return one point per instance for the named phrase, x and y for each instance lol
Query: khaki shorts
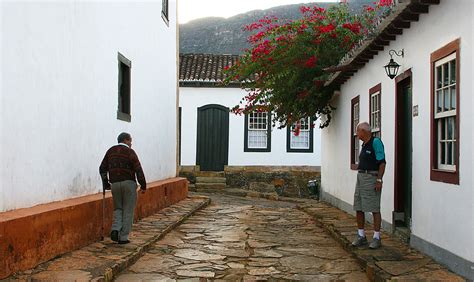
(366, 199)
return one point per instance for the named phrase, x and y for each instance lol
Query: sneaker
(123, 242)
(375, 244)
(359, 241)
(114, 235)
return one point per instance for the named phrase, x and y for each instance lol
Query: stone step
(203, 179)
(210, 186)
(210, 174)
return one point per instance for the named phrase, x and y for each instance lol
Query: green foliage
(285, 70)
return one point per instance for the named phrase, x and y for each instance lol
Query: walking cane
(103, 213)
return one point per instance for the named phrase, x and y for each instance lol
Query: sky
(194, 9)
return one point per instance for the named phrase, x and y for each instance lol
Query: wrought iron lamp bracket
(400, 53)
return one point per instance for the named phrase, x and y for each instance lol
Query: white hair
(364, 126)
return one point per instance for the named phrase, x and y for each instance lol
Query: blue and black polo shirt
(372, 155)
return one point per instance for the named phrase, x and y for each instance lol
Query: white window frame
(355, 121)
(262, 127)
(444, 116)
(375, 113)
(306, 131)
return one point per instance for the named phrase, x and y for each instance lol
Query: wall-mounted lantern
(392, 67)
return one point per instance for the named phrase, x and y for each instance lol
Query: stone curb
(374, 273)
(111, 272)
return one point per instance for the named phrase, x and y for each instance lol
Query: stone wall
(288, 181)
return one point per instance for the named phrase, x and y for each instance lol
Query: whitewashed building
(213, 138)
(425, 119)
(73, 75)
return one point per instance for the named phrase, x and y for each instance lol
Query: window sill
(443, 170)
(255, 150)
(299, 151)
(124, 117)
(450, 177)
(165, 19)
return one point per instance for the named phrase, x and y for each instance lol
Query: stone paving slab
(102, 261)
(394, 261)
(246, 239)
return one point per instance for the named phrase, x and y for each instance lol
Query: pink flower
(355, 27)
(303, 95)
(280, 38)
(326, 29)
(297, 129)
(385, 3)
(304, 9)
(311, 62)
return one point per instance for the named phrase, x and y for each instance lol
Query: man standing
(369, 184)
(123, 168)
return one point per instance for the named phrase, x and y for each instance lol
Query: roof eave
(400, 19)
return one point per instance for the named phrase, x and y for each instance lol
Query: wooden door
(212, 150)
(404, 151)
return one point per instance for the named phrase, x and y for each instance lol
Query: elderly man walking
(119, 170)
(369, 183)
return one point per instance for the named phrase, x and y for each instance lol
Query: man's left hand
(107, 186)
(378, 186)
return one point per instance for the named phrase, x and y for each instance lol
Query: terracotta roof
(207, 69)
(404, 12)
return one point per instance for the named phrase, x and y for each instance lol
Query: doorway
(403, 153)
(212, 150)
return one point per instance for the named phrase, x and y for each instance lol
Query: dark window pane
(447, 100)
(445, 74)
(443, 129)
(439, 81)
(124, 88)
(439, 101)
(453, 71)
(450, 153)
(443, 153)
(450, 129)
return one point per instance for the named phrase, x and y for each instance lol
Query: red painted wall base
(34, 235)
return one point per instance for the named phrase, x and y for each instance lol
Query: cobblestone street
(240, 238)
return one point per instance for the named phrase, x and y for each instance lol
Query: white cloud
(194, 9)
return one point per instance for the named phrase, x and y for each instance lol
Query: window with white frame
(375, 114)
(445, 103)
(303, 141)
(257, 132)
(355, 114)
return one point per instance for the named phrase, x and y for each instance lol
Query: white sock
(377, 235)
(361, 232)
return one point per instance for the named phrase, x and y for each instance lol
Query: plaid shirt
(121, 163)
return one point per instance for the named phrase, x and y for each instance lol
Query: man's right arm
(103, 170)
(137, 167)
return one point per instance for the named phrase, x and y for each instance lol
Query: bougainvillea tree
(285, 69)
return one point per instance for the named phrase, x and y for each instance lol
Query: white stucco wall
(192, 98)
(60, 93)
(443, 214)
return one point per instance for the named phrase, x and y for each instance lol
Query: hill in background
(225, 36)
